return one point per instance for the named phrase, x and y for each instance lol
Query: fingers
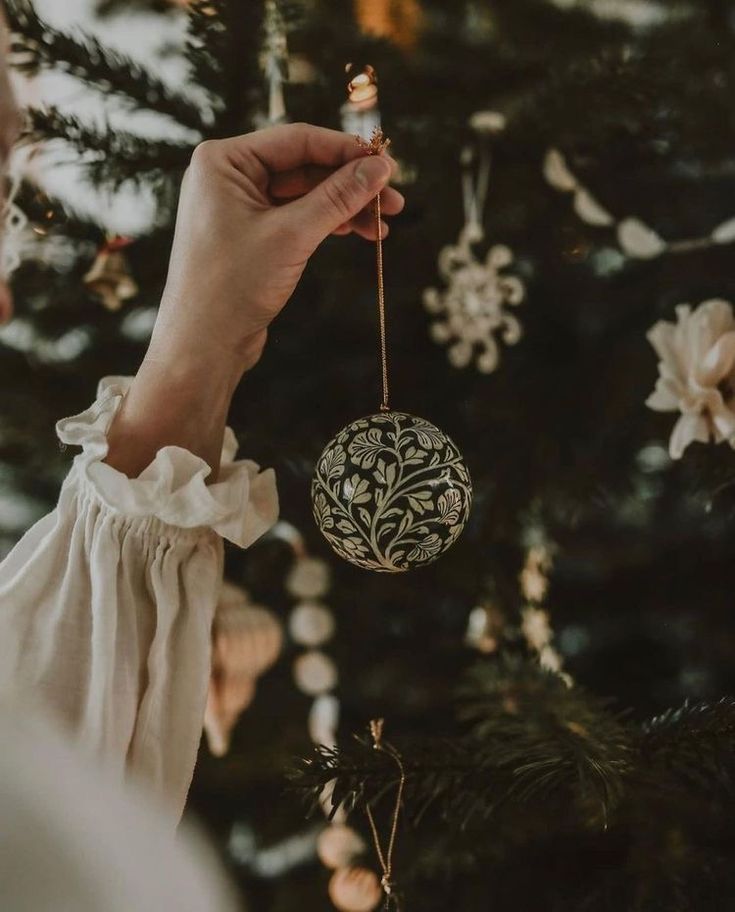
(292, 184)
(297, 181)
(363, 224)
(339, 199)
(323, 174)
(290, 146)
(366, 230)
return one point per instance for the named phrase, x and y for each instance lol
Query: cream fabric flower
(696, 374)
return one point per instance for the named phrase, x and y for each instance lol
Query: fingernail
(372, 172)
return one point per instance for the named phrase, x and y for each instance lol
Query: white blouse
(106, 604)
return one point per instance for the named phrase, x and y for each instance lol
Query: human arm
(106, 605)
(253, 210)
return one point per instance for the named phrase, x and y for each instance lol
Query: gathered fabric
(106, 604)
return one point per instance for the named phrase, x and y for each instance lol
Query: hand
(253, 209)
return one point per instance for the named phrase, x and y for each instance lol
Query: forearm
(173, 401)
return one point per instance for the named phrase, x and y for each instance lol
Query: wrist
(193, 373)
(173, 401)
(202, 341)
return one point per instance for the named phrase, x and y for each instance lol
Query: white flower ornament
(696, 374)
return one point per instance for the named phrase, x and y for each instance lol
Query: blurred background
(569, 170)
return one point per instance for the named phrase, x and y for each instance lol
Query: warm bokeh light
(397, 20)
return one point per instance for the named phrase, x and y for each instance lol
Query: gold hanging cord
(386, 858)
(361, 87)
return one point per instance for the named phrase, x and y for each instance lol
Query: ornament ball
(315, 673)
(309, 578)
(391, 492)
(338, 845)
(355, 890)
(311, 624)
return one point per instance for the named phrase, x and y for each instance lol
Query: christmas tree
(554, 687)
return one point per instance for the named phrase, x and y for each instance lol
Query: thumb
(340, 197)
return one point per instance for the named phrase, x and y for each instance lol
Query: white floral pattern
(391, 492)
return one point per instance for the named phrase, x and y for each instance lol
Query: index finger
(290, 146)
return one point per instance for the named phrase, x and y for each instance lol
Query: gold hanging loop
(377, 144)
(386, 858)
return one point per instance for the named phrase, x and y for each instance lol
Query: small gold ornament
(246, 641)
(355, 890)
(360, 114)
(229, 696)
(109, 277)
(390, 491)
(246, 638)
(362, 89)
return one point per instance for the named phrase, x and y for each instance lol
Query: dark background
(560, 445)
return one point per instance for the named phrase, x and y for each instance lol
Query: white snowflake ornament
(473, 307)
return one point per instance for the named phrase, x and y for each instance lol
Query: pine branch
(554, 737)
(223, 50)
(206, 44)
(692, 749)
(38, 45)
(531, 739)
(691, 720)
(436, 769)
(112, 157)
(644, 100)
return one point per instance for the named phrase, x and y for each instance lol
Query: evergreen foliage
(522, 792)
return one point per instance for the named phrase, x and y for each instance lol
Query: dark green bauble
(391, 492)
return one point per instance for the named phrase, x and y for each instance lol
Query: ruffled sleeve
(240, 506)
(106, 604)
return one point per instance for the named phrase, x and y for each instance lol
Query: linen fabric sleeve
(106, 604)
